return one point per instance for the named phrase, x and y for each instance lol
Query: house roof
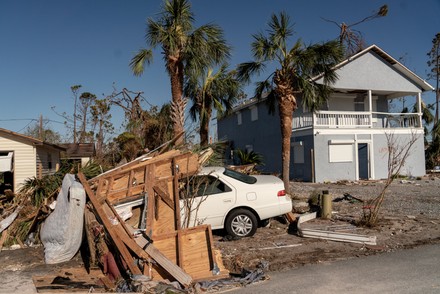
(392, 61)
(79, 150)
(422, 84)
(31, 140)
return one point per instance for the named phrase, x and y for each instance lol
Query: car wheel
(241, 223)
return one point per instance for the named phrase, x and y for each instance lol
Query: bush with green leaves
(249, 157)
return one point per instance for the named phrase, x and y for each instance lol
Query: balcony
(346, 119)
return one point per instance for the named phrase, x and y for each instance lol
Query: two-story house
(347, 138)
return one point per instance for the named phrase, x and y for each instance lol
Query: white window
(298, 152)
(239, 118)
(340, 150)
(254, 113)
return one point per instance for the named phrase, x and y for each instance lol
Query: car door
(207, 202)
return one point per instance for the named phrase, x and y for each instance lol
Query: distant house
(23, 157)
(346, 139)
(80, 153)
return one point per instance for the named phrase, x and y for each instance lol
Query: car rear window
(239, 176)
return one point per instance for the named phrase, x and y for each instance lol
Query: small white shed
(25, 157)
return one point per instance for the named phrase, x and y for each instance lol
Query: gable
(369, 71)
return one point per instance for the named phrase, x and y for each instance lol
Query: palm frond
(247, 69)
(144, 56)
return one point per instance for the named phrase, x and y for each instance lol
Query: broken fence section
(331, 235)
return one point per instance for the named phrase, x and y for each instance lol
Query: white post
(370, 107)
(419, 108)
(356, 158)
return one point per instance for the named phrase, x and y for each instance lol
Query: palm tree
(210, 90)
(184, 49)
(296, 66)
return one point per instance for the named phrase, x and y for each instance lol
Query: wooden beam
(150, 203)
(130, 183)
(176, 195)
(120, 220)
(150, 251)
(139, 162)
(164, 196)
(109, 226)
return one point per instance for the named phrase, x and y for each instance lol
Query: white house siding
(358, 75)
(325, 170)
(24, 159)
(414, 165)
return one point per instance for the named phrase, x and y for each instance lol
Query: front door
(363, 161)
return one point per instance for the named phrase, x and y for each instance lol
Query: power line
(32, 119)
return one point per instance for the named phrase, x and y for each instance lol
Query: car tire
(241, 223)
(265, 223)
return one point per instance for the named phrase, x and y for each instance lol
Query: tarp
(62, 231)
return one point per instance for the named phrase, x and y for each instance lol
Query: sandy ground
(410, 217)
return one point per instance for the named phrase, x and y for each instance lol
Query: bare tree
(352, 39)
(75, 92)
(86, 100)
(131, 103)
(398, 153)
(101, 116)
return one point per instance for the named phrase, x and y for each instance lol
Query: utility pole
(41, 128)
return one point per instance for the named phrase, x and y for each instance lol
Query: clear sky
(47, 46)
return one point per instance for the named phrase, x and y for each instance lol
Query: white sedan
(236, 202)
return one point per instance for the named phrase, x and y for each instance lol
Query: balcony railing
(347, 119)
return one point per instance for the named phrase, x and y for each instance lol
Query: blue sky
(49, 45)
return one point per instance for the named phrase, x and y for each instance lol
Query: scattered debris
(6, 222)
(331, 235)
(276, 247)
(349, 198)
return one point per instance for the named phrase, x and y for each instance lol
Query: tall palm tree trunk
(286, 109)
(178, 103)
(204, 128)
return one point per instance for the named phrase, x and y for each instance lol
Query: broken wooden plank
(200, 260)
(71, 280)
(150, 170)
(109, 226)
(164, 196)
(291, 217)
(342, 237)
(138, 162)
(176, 194)
(151, 251)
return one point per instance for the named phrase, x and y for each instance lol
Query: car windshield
(239, 176)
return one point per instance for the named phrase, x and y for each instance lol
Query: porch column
(419, 108)
(370, 107)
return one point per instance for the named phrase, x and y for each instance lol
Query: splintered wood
(151, 241)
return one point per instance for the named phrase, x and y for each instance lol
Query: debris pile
(132, 223)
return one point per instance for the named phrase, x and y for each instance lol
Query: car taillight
(281, 193)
